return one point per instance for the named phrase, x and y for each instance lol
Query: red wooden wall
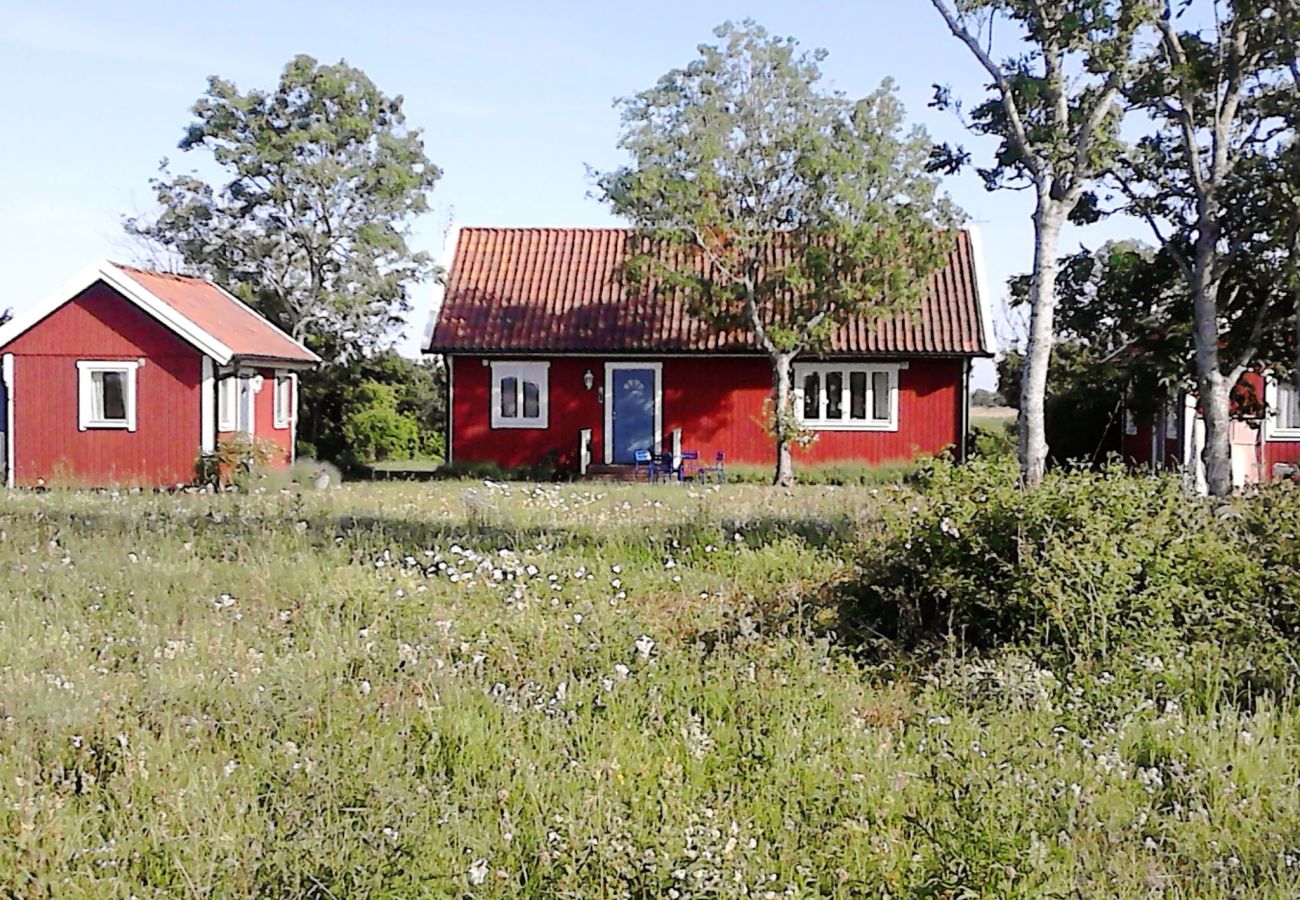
(48, 446)
(264, 420)
(717, 402)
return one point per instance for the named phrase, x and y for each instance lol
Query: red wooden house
(1264, 433)
(552, 356)
(126, 377)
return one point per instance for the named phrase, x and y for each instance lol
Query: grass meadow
(468, 689)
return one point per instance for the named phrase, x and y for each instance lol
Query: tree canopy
(808, 207)
(308, 217)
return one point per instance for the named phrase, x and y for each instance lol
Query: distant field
(991, 414)
(466, 689)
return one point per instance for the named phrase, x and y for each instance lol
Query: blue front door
(632, 415)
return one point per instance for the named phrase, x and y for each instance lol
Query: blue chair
(643, 459)
(690, 465)
(716, 472)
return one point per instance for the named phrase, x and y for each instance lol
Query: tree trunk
(1049, 216)
(1213, 385)
(783, 419)
(1217, 455)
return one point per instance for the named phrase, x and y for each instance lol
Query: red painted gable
(48, 445)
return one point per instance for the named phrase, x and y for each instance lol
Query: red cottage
(552, 357)
(125, 377)
(1264, 433)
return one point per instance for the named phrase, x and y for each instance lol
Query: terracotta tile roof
(559, 290)
(220, 315)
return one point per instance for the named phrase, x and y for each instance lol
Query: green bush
(376, 429)
(1089, 566)
(836, 474)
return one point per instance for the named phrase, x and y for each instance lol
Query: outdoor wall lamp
(588, 379)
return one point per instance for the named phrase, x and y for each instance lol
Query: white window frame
(537, 372)
(282, 398)
(802, 370)
(1273, 431)
(228, 397)
(86, 369)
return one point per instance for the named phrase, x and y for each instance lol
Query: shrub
(235, 459)
(376, 430)
(1088, 566)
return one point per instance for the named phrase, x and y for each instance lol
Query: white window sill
(1283, 434)
(118, 425)
(530, 424)
(849, 426)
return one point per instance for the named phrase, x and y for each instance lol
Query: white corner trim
(7, 373)
(520, 369)
(983, 294)
(447, 261)
(207, 408)
(1273, 431)
(85, 369)
(610, 368)
(293, 417)
(451, 408)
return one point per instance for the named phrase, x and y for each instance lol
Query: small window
(847, 396)
(283, 399)
(106, 394)
(1130, 422)
(228, 402)
(520, 395)
(1171, 422)
(1284, 411)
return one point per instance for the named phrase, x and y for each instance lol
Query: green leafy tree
(774, 207)
(376, 429)
(1218, 99)
(309, 218)
(1054, 105)
(420, 392)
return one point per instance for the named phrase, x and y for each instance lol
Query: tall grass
(515, 690)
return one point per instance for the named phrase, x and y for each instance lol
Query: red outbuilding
(1264, 433)
(553, 357)
(125, 377)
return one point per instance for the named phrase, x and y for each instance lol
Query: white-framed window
(847, 396)
(520, 394)
(1283, 422)
(106, 393)
(1171, 421)
(1130, 422)
(283, 404)
(228, 402)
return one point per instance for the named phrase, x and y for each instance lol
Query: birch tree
(1220, 96)
(1055, 107)
(773, 207)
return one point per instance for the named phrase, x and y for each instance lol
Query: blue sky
(514, 100)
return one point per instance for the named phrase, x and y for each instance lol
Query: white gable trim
(983, 296)
(261, 318)
(132, 290)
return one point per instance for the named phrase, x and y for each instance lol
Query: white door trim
(610, 368)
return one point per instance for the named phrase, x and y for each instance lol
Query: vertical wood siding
(719, 403)
(49, 447)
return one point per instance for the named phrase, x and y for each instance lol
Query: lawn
(455, 689)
